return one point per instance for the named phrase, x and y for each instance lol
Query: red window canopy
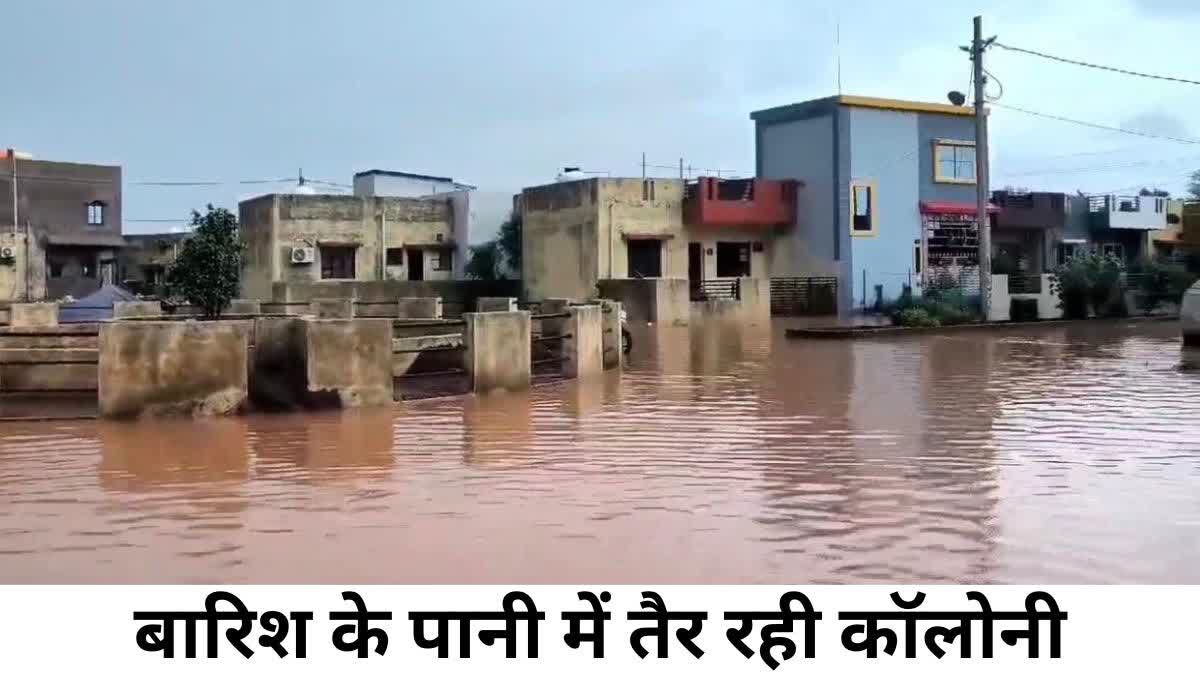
(954, 208)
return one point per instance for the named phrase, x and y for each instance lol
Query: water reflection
(719, 455)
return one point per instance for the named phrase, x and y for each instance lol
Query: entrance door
(733, 258)
(107, 272)
(645, 258)
(416, 264)
(695, 262)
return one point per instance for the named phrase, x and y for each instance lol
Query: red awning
(954, 208)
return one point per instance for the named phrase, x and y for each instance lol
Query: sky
(504, 93)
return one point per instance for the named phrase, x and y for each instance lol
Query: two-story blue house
(888, 198)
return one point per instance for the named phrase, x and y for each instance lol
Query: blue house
(888, 199)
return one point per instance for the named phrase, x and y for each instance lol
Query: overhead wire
(1086, 64)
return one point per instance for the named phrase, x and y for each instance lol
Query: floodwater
(1067, 454)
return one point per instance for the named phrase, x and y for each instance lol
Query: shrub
(915, 317)
(1159, 282)
(1090, 279)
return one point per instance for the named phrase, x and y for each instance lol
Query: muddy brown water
(1067, 454)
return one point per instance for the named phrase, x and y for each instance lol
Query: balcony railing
(749, 201)
(1024, 283)
(716, 289)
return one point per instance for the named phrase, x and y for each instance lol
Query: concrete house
(381, 183)
(576, 234)
(888, 198)
(67, 228)
(1028, 229)
(310, 237)
(1122, 225)
(142, 264)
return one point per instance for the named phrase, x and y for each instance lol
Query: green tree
(1193, 187)
(206, 271)
(509, 240)
(485, 262)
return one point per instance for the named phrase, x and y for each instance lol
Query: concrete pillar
(584, 349)
(419, 308)
(1189, 316)
(240, 306)
(1000, 302)
(349, 361)
(332, 308)
(495, 304)
(33, 315)
(134, 309)
(610, 323)
(497, 350)
(173, 367)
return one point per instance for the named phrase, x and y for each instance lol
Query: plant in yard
(1089, 279)
(485, 262)
(206, 272)
(1159, 282)
(915, 317)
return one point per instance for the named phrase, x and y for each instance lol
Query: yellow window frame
(872, 207)
(940, 144)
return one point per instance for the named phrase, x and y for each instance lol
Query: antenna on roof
(837, 45)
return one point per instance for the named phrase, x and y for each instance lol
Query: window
(445, 260)
(862, 209)
(916, 256)
(95, 213)
(1115, 250)
(337, 262)
(954, 162)
(733, 259)
(644, 258)
(87, 268)
(56, 268)
(648, 190)
(395, 257)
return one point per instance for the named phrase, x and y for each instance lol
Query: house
(1122, 225)
(1028, 229)
(1180, 238)
(381, 183)
(69, 216)
(889, 198)
(320, 237)
(142, 264)
(576, 234)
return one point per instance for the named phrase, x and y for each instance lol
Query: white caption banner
(1108, 628)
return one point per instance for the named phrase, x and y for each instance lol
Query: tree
(206, 271)
(485, 262)
(1193, 187)
(1147, 192)
(509, 240)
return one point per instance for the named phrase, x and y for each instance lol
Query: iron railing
(1024, 283)
(716, 289)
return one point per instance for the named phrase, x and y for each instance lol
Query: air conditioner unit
(7, 253)
(302, 255)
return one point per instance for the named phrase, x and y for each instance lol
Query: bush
(1090, 279)
(1159, 282)
(915, 317)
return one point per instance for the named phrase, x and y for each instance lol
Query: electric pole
(978, 45)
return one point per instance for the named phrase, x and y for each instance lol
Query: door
(416, 264)
(107, 272)
(733, 259)
(695, 265)
(645, 258)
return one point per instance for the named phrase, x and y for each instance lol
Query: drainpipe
(612, 230)
(382, 244)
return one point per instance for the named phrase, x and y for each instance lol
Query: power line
(1085, 64)
(1104, 167)
(1189, 141)
(209, 183)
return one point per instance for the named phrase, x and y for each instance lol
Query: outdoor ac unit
(7, 253)
(302, 255)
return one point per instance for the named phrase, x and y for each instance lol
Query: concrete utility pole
(978, 45)
(12, 155)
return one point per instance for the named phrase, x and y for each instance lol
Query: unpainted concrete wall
(33, 315)
(136, 309)
(457, 296)
(584, 349)
(650, 300)
(25, 271)
(350, 358)
(496, 305)
(47, 359)
(498, 353)
(611, 326)
(1001, 301)
(173, 367)
(332, 309)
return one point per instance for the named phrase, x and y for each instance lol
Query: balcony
(749, 201)
(1030, 210)
(1127, 212)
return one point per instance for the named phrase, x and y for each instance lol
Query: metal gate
(803, 296)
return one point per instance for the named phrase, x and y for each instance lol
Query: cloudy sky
(503, 93)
